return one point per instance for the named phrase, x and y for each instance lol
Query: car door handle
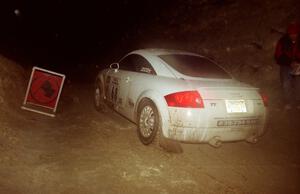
(127, 79)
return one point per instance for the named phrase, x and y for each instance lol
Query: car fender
(161, 105)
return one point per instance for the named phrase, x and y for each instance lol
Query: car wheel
(148, 122)
(149, 128)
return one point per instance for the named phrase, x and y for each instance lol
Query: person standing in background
(287, 56)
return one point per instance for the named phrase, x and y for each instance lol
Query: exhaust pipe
(253, 139)
(215, 142)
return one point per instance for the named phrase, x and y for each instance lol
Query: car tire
(148, 122)
(155, 137)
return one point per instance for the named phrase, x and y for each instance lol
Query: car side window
(143, 66)
(127, 63)
(136, 63)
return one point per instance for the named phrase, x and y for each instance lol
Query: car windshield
(195, 66)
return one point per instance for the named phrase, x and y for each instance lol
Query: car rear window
(195, 66)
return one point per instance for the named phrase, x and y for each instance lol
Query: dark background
(75, 37)
(70, 36)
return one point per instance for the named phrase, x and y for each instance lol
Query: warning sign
(43, 91)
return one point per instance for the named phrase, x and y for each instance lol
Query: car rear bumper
(223, 134)
(201, 127)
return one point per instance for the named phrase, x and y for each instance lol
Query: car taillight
(187, 99)
(264, 98)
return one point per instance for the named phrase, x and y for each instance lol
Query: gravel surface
(85, 151)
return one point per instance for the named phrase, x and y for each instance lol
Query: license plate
(231, 123)
(235, 106)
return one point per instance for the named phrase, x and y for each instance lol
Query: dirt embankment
(12, 85)
(12, 90)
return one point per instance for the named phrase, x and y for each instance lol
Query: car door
(119, 91)
(134, 69)
(116, 83)
(111, 85)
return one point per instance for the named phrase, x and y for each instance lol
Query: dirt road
(84, 151)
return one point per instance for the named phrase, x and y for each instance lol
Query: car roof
(156, 52)
(153, 56)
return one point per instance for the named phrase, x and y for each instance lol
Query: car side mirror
(114, 66)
